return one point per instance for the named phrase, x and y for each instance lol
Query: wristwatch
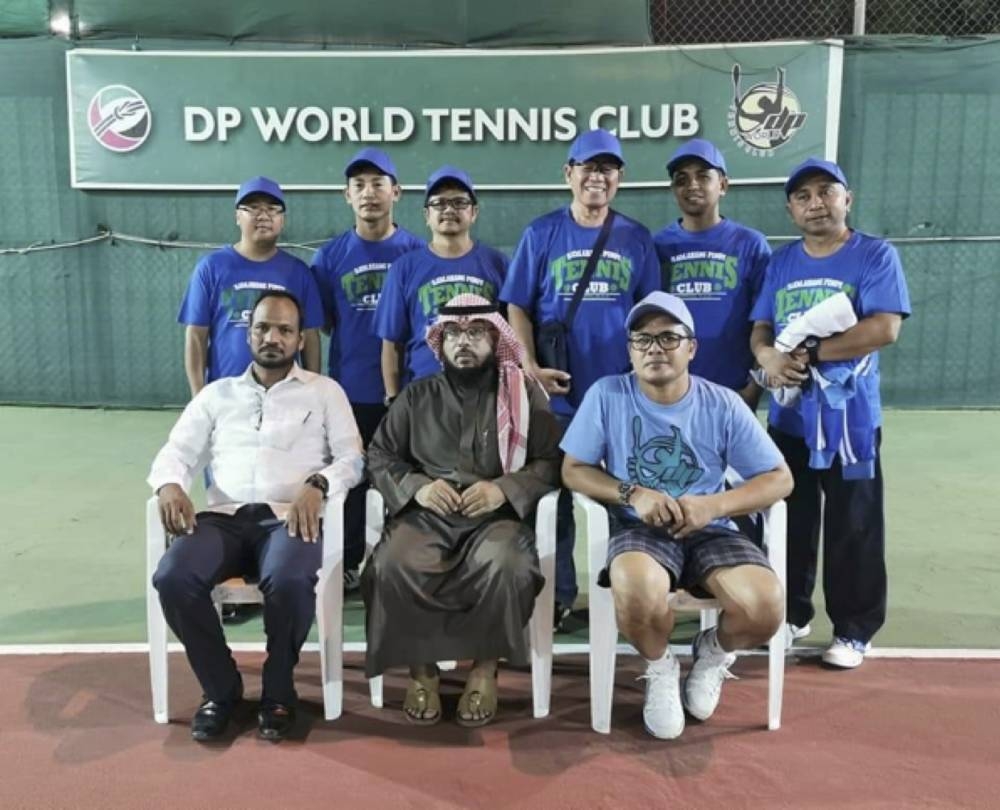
(320, 482)
(811, 345)
(387, 400)
(625, 490)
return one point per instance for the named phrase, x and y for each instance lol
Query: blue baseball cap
(700, 149)
(260, 185)
(664, 303)
(369, 156)
(589, 145)
(814, 166)
(453, 174)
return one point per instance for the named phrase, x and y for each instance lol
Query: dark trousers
(565, 587)
(853, 522)
(368, 417)
(250, 543)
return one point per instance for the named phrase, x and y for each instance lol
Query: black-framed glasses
(668, 341)
(453, 332)
(605, 169)
(454, 203)
(270, 211)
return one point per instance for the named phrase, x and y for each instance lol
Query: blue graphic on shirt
(665, 463)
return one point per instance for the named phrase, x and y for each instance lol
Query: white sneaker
(846, 653)
(793, 633)
(703, 684)
(662, 713)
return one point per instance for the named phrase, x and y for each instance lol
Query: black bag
(552, 337)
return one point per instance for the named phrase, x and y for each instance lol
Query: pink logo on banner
(119, 118)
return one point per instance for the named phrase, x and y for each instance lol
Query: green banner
(200, 120)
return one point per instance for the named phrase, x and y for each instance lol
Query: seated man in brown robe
(461, 459)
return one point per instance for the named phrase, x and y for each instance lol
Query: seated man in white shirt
(279, 440)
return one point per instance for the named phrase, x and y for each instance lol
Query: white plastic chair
(540, 626)
(329, 609)
(604, 628)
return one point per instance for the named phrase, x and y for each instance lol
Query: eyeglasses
(605, 169)
(455, 203)
(270, 211)
(453, 333)
(668, 341)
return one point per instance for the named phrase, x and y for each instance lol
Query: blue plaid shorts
(688, 561)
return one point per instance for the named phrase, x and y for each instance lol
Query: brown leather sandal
(479, 698)
(421, 698)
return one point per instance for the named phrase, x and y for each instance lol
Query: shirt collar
(296, 372)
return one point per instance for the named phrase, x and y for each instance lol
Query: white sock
(661, 662)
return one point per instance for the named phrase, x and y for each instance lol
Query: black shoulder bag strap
(588, 271)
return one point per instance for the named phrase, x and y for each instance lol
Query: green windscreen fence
(95, 324)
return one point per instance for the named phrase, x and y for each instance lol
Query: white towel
(829, 317)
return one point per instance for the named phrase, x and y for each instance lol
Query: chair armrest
(156, 537)
(333, 536)
(775, 537)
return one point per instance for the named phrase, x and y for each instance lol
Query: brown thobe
(446, 588)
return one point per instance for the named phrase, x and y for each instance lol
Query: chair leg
(709, 619)
(156, 623)
(375, 689)
(775, 678)
(158, 673)
(540, 628)
(330, 628)
(603, 642)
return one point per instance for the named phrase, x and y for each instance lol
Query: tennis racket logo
(766, 116)
(119, 118)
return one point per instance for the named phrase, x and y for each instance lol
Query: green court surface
(72, 496)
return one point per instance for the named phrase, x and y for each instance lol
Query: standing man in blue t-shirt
(547, 265)
(226, 283)
(654, 445)
(832, 258)
(422, 281)
(350, 270)
(715, 265)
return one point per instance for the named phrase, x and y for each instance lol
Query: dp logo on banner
(764, 117)
(119, 118)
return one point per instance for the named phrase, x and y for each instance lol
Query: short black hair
(277, 294)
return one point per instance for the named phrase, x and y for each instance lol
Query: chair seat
(237, 591)
(685, 601)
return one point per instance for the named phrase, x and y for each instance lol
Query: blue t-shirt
(867, 269)
(419, 284)
(719, 273)
(221, 294)
(350, 272)
(679, 449)
(548, 263)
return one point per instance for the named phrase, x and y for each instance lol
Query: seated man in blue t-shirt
(654, 445)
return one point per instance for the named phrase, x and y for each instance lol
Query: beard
(278, 362)
(470, 375)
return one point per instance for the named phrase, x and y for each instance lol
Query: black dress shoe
(275, 720)
(211, 719)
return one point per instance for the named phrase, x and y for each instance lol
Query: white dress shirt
(262, 443)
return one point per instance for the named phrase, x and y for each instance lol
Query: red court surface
(77, 732)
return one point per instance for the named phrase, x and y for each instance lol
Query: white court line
(558, 649)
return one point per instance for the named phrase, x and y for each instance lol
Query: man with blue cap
(654, 445)
(422, 281)
(831, 443)
(574, 276)
(226, 283)
(715, 264)
(350, 270)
